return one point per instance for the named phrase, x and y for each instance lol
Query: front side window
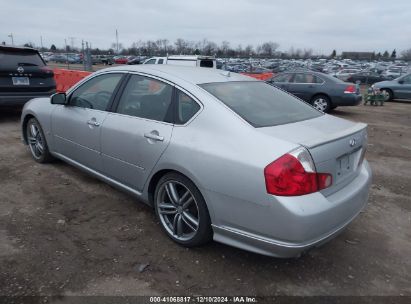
(261, 104)
(96, 93)
(151, 61)
(186, 107)
(407, 79)
(146, 98)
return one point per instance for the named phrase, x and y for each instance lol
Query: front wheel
(321, 103)
(388, 94)
(37, 142)
(182, 211)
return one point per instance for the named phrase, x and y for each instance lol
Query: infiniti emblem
(20, 69)
(353, 142)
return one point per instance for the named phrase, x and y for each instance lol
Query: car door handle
(154, 136)
(93, 123)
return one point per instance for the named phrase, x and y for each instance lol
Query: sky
(320, 25)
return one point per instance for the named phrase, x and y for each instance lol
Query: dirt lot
(65, 233)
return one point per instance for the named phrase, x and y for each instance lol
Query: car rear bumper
(304, 222)
(347, 100)
(20, 98)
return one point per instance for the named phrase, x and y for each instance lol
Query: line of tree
(269, 49)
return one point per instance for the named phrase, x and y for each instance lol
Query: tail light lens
(294, 174)
(350, 89)
(47, 70)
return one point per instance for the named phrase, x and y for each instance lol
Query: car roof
(193, 75)
(16, 48)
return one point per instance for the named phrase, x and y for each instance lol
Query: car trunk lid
(337, 146)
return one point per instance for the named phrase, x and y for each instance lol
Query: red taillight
(350, 89)
(294, 174)
(47, 70)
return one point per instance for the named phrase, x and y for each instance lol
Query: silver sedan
(218, 155)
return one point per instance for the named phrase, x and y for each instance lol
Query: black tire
(389, 93)
(204, 232)
(44, 155)
(321, 103)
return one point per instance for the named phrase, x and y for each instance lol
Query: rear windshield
(20, 58)
(261, 104)
(205, 63)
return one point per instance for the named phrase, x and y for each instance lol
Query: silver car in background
(218, 155)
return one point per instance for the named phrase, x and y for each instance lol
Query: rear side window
(160, 61)
(186, 107)
(17, 58)
(146, 98)
(261, 104)
(206, 63)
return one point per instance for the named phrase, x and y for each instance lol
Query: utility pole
(65, 45)
(117, 41)
(84, 55)
(12, 38)
(72, 42)
(41, 41)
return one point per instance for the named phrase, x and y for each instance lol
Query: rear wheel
(182, 211)
(321, 103)
(37, 142)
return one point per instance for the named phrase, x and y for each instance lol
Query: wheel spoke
(184, 197)
(40, 147)
(189, 224)
(32, 140)
(177, 225)
(188, 202)
(190, 218)
(172, 193)
(33, 130)
(180, 225)
(169, 209)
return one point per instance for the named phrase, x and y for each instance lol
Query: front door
(76, 126)
(136, 134)
(403, 90)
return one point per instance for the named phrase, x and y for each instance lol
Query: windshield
(261, 104)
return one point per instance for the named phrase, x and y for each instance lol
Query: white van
(186, 60)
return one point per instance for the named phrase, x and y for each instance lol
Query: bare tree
(406, 55)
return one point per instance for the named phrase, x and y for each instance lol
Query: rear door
(304, 86)
(138, 131)
(23, 70)
(76, 127)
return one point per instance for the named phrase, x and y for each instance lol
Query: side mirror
(59, 98)
(401, 81)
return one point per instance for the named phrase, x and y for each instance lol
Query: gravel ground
(63, 232)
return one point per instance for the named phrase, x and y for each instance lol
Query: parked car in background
(185, 60)
(366, 77)
(393, 73)
(102, 59)
(322, 91)
(120, 60)
(134, 60)
(399, 88)
(218, 156)
(345, 73)
(23, 75)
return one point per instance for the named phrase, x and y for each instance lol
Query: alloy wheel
(178, 210)
(320, 104)
(35, 140)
